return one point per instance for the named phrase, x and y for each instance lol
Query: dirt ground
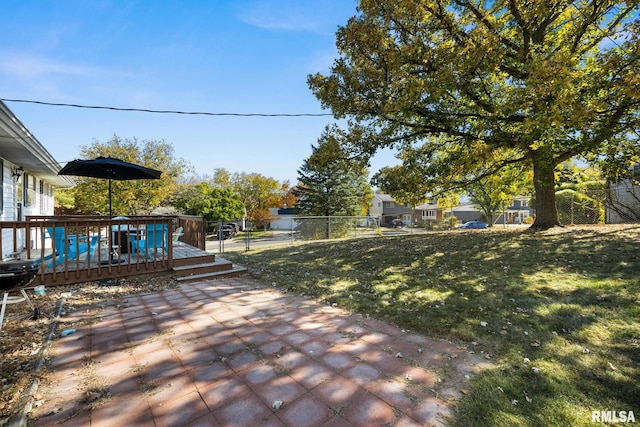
(22, 336)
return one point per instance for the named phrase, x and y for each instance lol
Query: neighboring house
(384, 209)
(623, 203)
(516, 213)
(282, 219)
(29, 175)
(427, 214)
(465, 212)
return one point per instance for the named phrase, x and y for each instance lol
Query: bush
(578, 208)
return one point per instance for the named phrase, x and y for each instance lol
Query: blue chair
(68, 246)
(156, 237)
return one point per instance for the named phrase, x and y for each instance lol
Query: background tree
(287, 195)
(493, 193)
(404, 184)
(580, 194)
(447, 201)
(329, 182)
(213, 203)
(475, 86)
(258, 193)
(65, 201)
(138, 197)
(221, 178)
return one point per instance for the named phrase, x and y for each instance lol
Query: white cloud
(30, 66)
(291, 15)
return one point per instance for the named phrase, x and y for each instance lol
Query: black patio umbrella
(109, 168)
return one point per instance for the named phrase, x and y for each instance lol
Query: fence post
(220, 237)
(247, 235)
(571, 210)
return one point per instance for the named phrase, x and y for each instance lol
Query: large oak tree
(469, 87)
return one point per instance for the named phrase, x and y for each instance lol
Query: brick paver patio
(227, 352)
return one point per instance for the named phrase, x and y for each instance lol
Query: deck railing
(72, 249)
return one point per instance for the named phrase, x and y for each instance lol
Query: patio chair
(155, 238)
(177, 234)
(68, 246)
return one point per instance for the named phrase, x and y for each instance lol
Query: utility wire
(143, 110)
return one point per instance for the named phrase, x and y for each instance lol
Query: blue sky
(217, 56)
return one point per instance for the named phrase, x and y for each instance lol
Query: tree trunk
(544, 184)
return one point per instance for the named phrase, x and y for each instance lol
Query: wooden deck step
(205, 270)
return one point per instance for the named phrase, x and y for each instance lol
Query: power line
(144, 110)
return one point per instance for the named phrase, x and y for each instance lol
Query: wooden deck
(107, 247)
(187, 263)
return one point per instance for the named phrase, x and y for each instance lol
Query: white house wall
(42, 203)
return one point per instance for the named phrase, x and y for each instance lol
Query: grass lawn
(565, 302)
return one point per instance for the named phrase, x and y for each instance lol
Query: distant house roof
(465, 208)
(384, 197)
(427, 207)
(287, 211)
(20, 147)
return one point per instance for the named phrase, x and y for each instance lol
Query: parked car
(228, 231)
(473, 224)
(395, 223)
(236, 227)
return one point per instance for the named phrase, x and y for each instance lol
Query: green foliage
(330, 183)
(464, 89)
(211, 202)
(495, 192)
(578, 208)
(137, 197)
(65, 198)
(258, 193)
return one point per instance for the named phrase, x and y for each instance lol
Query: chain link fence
(618, 205)
(306, 228)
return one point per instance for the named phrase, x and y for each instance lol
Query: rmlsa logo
(613, 417)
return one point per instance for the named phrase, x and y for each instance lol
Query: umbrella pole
(110, 212)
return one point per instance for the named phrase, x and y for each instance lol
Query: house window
(428, 214)
(29, 189)
(42, 197)
(20, 188)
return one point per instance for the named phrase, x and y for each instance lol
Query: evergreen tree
(331, 184)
